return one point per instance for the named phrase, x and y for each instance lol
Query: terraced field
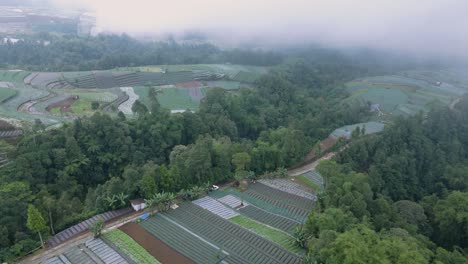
(32, 92)
(182, 240)
(129, 247)
(266, 203)
(215, 207)
(105, 252)
(242, 245)
(316, 180)
(287, 185)
(14, 76)
(274, 220)
(6, 93)
(79, 228)
(410, 92)
(94, 251)
(260, 190)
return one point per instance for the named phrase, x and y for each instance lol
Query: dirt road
(42, 256)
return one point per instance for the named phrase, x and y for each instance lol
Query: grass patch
(269, 233)
(309, 183)
(129, 247)
(81, 107)
(6, 93)
(55, 110)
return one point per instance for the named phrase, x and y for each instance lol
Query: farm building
(138, 204)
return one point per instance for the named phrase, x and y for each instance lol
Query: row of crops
(185, 242)
(241, 245)
(213, 229)
(129, 247)
(94, 251)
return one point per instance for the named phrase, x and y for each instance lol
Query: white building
(138, 204)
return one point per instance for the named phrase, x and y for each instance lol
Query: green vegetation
(6, 94)
(404, 94)
(14, 76)
(399, 196)
(36, 222)
(71, 172)
(177, 98)
(274, 235)
(129, 247)
(82, 107)
(309, 183)
(105, 52)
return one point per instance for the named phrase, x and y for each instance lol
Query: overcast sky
(423, 26)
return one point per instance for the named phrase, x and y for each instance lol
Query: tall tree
(36, 222)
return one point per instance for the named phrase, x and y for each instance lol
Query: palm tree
(111, 201)
(170, 199)
(122, 198)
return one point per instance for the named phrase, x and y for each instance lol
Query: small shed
(138, 204)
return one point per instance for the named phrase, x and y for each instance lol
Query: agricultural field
(212, 229)
(409, 92)
(346, 131)
(174, 98)
(129, 247)
(27, 96)
(6, 93)
(94, 251)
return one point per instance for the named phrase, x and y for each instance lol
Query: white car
(214, 187)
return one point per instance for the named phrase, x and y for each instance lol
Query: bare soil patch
(153, 245)
(193, 84)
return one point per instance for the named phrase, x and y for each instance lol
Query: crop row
(273, 220)
(243, 245)
(288, 198)
(129, 247)
(182, 241)
(288, 186)
(105, 252)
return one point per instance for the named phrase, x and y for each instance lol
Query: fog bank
(428, 27)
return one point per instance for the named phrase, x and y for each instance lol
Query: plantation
(409, 92)
(186, 243)
(242, 245)
(346, 131)
(94, 251)
(312, 179)
(180, 98)
(129, 247)
(280, 222)
(278, 237)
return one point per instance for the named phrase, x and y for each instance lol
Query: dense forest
(397, 197)
(50, 52)
(70, 173)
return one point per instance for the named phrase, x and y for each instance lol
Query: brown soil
(325, 145)
(192, 84)
(158, 249)
(64, 105)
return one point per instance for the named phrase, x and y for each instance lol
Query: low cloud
(418, 26)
